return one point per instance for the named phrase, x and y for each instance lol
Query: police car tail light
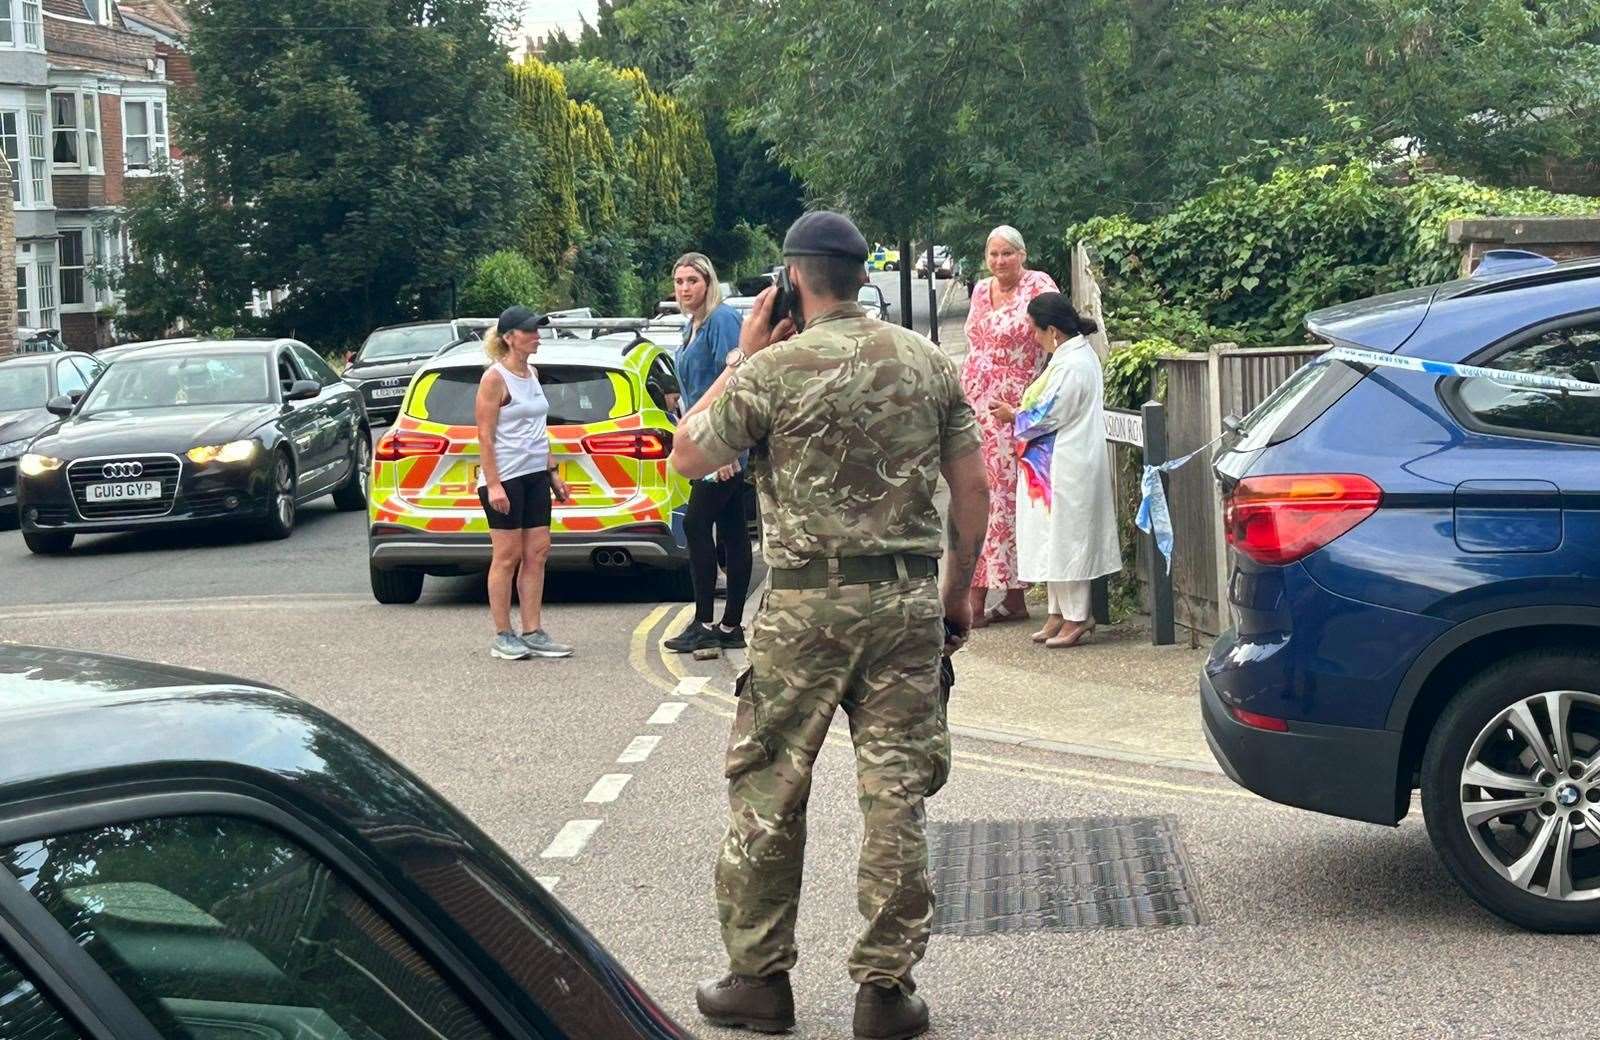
(644, 444)
(396, 445)
(1277, 520)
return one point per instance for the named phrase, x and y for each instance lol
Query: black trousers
(713, 521)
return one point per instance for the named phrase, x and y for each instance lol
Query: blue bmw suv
(1415, 587)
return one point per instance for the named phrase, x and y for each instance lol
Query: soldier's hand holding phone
(759, 330)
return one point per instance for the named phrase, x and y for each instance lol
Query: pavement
(1115, 697)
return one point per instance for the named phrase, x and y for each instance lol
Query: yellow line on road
(1107, 779)
(639, 648)
(669, 660)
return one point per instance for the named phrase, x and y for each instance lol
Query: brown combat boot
(889, 1013)
(764, 1003)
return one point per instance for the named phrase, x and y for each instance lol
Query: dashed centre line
(607, 788)
(638, 750)
(570, 839)
(691, 686)
(667, 714)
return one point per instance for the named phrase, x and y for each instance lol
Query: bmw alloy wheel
(1530, 794)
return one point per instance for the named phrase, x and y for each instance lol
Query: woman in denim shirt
(717, 501)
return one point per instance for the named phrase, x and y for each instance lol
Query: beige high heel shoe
(1052, 626)
(1081, 633)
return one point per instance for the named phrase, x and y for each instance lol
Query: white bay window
(144, 134)
(75, 126)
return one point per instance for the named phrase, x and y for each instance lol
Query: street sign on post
(933, 297)
(1124, 427)
(1153, 430)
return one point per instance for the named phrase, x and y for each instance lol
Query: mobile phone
(783, 302)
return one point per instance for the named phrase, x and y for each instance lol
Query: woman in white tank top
(516, 483)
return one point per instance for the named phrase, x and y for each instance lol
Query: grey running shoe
(539, 644)
(508, 647)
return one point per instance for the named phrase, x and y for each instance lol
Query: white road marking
(548, 882)
(667, 714)
(691, 685)
(571, 839)
(638, 750)
(608, 787)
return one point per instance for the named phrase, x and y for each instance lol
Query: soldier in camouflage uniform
(849, 424)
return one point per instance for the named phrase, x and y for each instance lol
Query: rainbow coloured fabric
(1036, 451)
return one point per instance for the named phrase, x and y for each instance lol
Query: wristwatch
(735, 357)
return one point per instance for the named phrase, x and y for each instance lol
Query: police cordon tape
(1154, 517)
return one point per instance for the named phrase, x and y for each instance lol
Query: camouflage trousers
(873, 649)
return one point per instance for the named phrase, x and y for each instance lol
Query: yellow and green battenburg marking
(439, 493)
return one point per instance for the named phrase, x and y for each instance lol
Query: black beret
(820, 233)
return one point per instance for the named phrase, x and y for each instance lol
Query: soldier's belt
(854, 570)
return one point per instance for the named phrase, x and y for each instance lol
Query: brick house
(83, 116)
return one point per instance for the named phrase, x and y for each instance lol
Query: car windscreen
(411, 341)
(577, 396)
(166, 382)
(23, 386)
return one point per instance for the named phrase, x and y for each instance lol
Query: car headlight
(233, 451)
(38, 465)
(10, 448)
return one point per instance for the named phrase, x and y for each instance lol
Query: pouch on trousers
(941, 750)
(746, 751)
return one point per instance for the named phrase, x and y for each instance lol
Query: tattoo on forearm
(962, 552)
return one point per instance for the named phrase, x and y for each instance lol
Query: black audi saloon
(390, 356)
(186, 855)
(240, 430)
(27, 384)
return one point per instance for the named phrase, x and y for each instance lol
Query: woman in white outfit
(516, 482)
(1066, 519)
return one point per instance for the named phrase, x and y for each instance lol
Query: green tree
(559, 47)
(354, 152)
(550, 225)
(501, 279)
(964, 115)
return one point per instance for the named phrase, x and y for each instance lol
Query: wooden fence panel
(1189, 493)
(1195, 410)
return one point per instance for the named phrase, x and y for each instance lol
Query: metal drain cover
(1064, 875)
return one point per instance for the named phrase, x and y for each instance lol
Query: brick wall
(76, 191)
(111, 148)
(98, 47)
(1560, 238)
(78, 331)
(8, 270)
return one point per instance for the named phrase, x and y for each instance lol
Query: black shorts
(530, 503)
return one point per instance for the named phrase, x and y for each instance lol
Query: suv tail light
(646, 444)
(396, 445)
(1278, 520)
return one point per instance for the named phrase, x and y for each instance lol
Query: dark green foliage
(1247, 260)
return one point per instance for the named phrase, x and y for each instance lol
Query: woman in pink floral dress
(1002, 359)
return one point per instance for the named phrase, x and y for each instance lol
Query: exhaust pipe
(612, 558)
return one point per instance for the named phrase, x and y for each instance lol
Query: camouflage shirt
(848, 424)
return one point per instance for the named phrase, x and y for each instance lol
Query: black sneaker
(695, 637)
(730, 638)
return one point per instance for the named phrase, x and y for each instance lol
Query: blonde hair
(701, 265)
(1010, 236)
(495, 345)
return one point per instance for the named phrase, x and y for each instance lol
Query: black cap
(820, 233)
(517, 316)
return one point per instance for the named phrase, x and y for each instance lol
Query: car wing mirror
(303, 390)
(61, 405)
